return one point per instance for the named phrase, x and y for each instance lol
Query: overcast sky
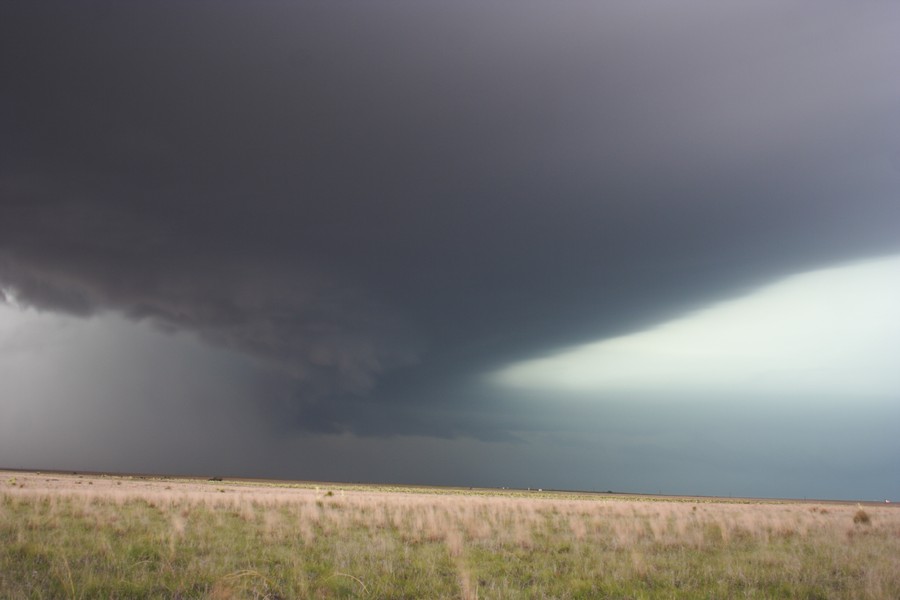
(633, 246)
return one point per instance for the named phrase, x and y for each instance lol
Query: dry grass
(105, 537)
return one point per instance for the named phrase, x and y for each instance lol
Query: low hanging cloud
(323, 334)
(829, 333)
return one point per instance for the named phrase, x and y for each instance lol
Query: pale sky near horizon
(832, 332)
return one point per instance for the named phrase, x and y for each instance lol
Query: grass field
(95, 536)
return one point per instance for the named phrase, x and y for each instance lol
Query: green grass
(255, 542)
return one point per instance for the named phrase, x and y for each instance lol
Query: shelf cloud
(370, 206)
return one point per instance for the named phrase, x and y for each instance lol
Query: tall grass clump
(861, 517)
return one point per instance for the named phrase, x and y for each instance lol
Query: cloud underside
(831, 332)
(376, 204)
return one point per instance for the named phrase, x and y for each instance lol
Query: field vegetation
(69, 536)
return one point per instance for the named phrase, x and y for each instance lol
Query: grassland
(69, 536)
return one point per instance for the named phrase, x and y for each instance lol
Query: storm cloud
(375, 205)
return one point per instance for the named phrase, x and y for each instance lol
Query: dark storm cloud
(384, 200)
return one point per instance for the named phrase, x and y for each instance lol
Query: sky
(633, 246)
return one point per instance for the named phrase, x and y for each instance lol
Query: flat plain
(65, 535)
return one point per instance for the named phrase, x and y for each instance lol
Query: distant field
(100, 536)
